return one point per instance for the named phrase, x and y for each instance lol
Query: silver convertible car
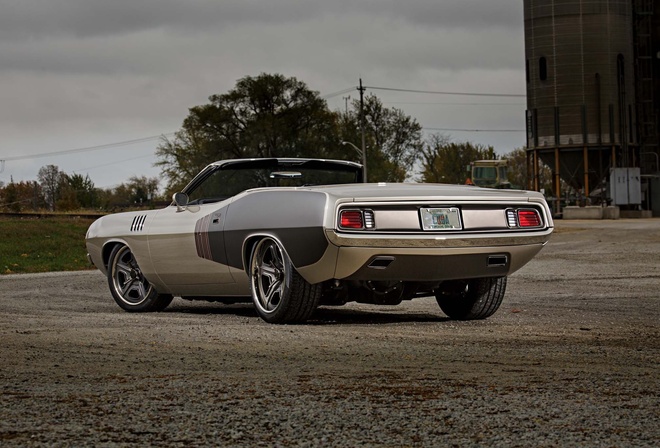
(293, 234)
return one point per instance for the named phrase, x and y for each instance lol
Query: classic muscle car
(293, 234)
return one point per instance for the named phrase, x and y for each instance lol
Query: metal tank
(580, 89)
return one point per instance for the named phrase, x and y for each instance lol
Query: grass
(29, 245)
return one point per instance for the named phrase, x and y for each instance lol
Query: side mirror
(181, 200)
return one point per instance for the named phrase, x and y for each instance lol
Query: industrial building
(593, 101)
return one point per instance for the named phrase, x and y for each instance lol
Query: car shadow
(338, 316)
(322, 316)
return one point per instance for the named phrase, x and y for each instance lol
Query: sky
(92, 86)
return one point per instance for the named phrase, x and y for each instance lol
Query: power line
(112, 163)
(340, 92)
(504, 95)
(89, 148)
(453, 104)
(474, 130)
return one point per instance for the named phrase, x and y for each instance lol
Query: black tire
(472, 299)
(130, 289)
(280, 295)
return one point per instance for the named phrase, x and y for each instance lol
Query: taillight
(351, 219)
(529, 218)
(524, 218)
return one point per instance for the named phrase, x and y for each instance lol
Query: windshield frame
(352, 169)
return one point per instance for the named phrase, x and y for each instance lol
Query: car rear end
(422, 232)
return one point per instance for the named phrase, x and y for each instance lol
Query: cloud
(35, 19)
(77, 73)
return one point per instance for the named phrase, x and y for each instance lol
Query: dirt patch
(571, 358)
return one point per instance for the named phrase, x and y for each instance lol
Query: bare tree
(51, 180)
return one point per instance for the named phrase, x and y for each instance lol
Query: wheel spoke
(277, 257)
(269, 271)
(270, 293)
(123, 268)
(127, 286)
(141, 290)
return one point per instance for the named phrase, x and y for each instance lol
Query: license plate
(447, 218)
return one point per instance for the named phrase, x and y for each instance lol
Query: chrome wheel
(269, 275)
(279, 293)
(130, 289)
(127, 280)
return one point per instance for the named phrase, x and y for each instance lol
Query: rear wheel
(279, 293)
(471, 299)
(130, 289)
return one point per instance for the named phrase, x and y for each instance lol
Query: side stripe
(202, 237)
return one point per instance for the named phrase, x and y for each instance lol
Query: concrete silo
(582, 104)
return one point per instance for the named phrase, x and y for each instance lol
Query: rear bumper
(431, 257)
(427, 264)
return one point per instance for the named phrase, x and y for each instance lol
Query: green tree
(138, 191)
(446, 162)
(85, 192)
(397, 141)
(275, 116)
(67, 198)
(393, 140)
(263, 116)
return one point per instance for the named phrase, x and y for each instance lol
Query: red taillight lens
(529, 218)
(351, 219)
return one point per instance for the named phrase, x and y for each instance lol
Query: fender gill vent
(381, 262)
(138, 223)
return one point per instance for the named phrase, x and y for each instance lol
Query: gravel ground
(570, 359)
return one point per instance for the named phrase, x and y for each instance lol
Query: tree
(51, 180)
(517, 168)
(518, 172)
(263, 116)
(137, 191)
(397, 141)
(67, 198)
(446, 162)
(85, 192)
(393, 140)
(275, 116)
(18, 196)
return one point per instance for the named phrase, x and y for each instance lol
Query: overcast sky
(77, 74)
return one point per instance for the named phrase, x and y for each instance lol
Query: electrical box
(626, 186)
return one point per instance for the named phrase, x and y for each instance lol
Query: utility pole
(364, 149)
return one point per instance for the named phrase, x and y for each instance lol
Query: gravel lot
(571, 359)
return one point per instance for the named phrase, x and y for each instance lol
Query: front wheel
(279, 293)
(130, 289)
(472, 299)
